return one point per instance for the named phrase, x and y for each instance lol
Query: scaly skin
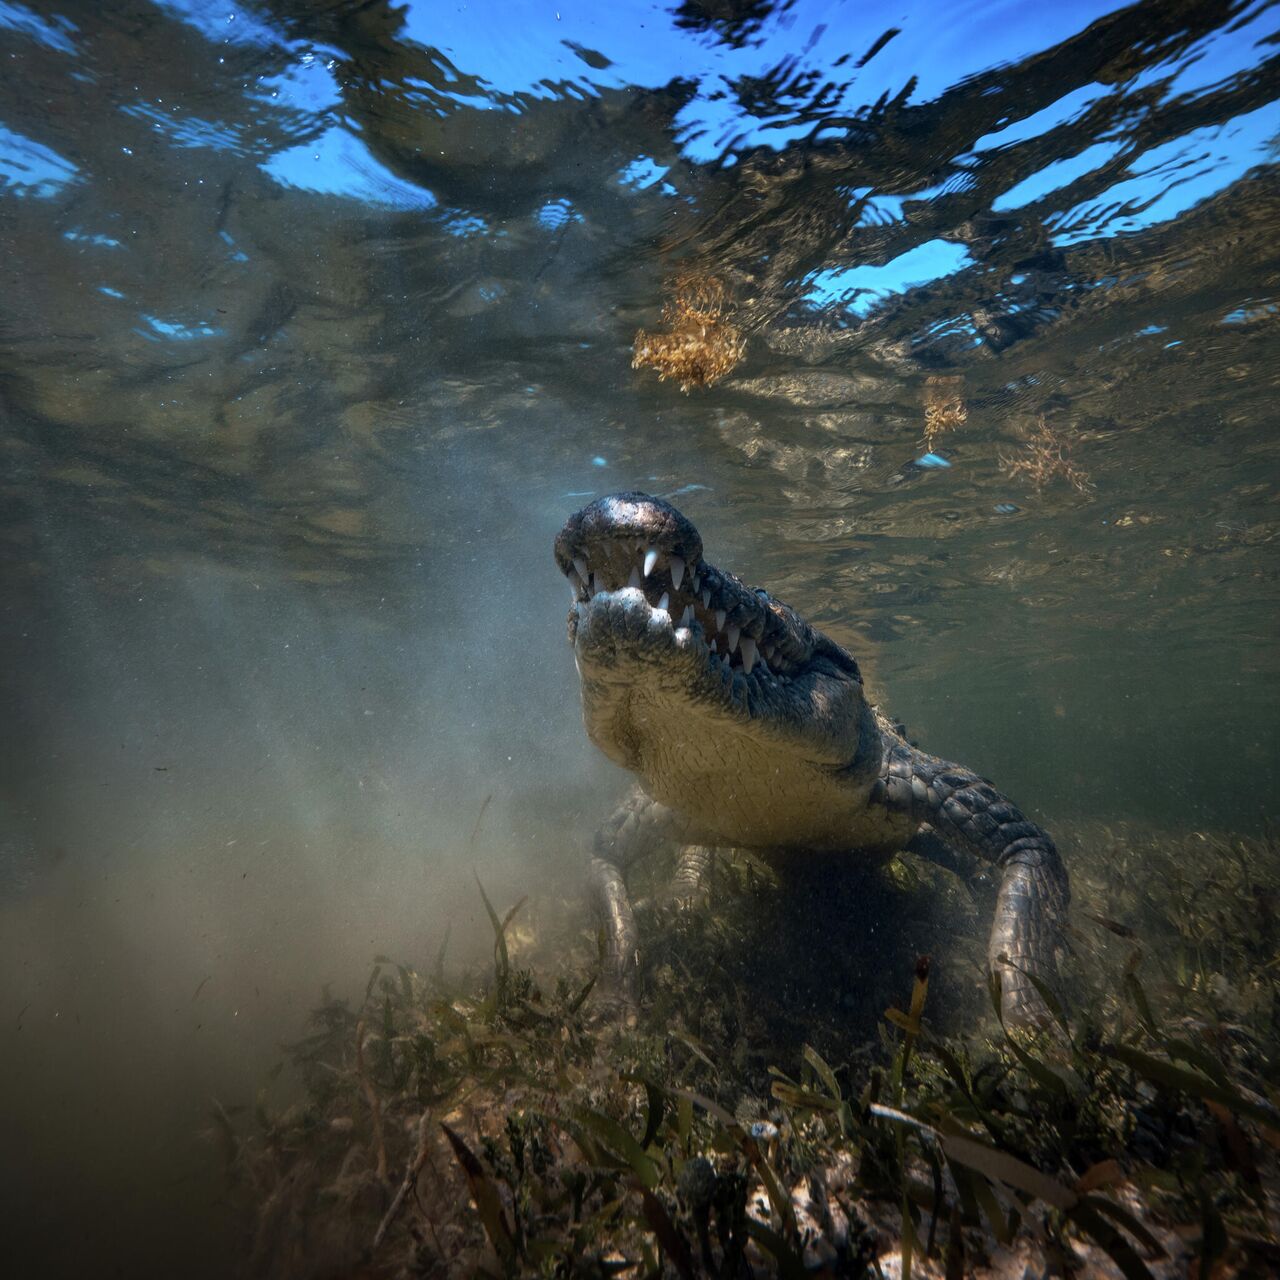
(766, 741)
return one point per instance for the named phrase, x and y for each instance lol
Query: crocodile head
(728, 705)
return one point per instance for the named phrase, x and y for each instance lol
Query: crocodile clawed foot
(613, 1002)
(688, 902)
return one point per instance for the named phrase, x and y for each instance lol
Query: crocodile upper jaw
(729, 706)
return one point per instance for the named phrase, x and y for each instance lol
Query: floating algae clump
(702, 345)
(944, 406)
(506, 1125)
(1046, 455)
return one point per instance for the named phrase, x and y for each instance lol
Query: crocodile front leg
(635, 829)
(967, 812)
(689, 880)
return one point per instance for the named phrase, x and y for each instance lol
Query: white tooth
(597, 584)
(686, 618)
(748, 654)
(573, 592)
(677, 571)
(733, 633)
(769, 651)
(650, 559)
(581, 565)
(664, 602)
(695, 582)
(634, 580)
(719, 619)
(706, 598)
(713, 646)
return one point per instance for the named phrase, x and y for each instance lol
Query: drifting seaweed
(702, 345)
(1137, 1137)
(1046, 456)
(944, 407)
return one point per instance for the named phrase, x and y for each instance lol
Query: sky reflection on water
(800, 74)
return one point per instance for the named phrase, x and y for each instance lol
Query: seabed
(813, 1082)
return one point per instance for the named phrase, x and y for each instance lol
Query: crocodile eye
(634, 543)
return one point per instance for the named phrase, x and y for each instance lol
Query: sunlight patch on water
(29, 168)
(1176, 176)
(308, 86)
(53, 33)
(1216, 58)
(184, 130)
(77, 236)
(535, 47)
(642, 172)
(860, 289)
(1063, 111)
(879, 209)
(466, 225)
(1059, 174)
(539, 52)
(221, 23)
(175, 330)
(339, 164)
(1249, 314)
(556, 214)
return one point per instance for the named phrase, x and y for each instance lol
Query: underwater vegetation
(944, 407)
(702, 344)
(511, 1123)
(1046, 456)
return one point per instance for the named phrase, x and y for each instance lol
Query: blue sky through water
(550, 48)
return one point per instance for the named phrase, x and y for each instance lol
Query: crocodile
(746, 727)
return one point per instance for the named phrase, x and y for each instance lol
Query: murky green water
(315, 322)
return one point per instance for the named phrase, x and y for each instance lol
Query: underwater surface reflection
(317, 319)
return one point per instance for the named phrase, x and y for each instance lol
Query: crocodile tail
(967, 812)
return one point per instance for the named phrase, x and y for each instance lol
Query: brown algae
(702, 345)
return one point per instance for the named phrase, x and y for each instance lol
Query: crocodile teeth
(581, 565)
(720, 616)
(695, 582)
(686, 618)
(677, 572)
(650, 559)
(748, 654)
(733, 633)
(664, 602)
(713, 646)
(634, 580)
(706, 597)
